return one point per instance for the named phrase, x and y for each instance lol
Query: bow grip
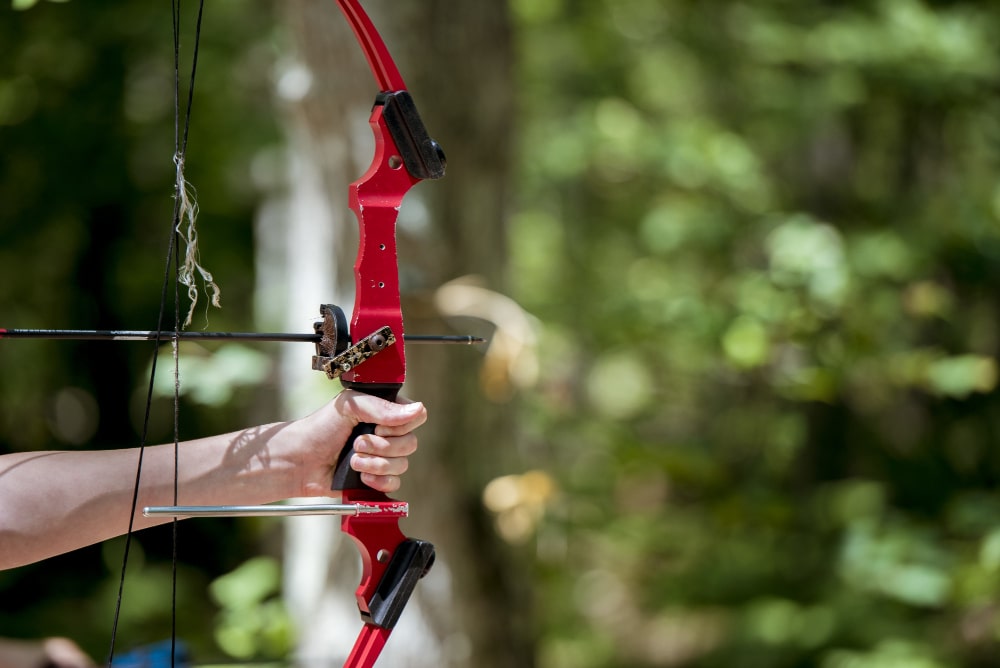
(345, 477)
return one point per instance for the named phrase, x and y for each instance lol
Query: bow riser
(376, 541)
(375, 199)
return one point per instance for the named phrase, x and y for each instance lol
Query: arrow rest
(334, 334)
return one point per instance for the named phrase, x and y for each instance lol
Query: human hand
(380, 458)
(47, 652)
(64, 653)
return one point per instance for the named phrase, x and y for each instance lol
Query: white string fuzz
(187, 213)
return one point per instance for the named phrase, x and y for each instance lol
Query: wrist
(279, 467)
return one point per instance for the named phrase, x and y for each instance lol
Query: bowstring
(185, 210)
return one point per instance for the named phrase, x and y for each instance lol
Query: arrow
(153, 335)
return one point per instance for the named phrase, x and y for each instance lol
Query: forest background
(748, 408)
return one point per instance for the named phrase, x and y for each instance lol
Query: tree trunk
(456, 59)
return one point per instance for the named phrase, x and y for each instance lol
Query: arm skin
(54, 502)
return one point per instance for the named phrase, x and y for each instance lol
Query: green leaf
(962, 375)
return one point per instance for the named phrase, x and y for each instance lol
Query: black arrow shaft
(152, 335)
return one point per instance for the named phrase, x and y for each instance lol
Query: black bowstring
(180, 150)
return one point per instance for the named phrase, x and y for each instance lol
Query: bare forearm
(52, 502)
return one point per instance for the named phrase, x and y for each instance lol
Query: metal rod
(146, 335)
(391, 509)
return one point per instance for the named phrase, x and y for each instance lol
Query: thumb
(375, 410)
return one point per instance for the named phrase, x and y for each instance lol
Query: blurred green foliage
(253, 621)
(763, 239)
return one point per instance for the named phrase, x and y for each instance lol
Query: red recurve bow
(370, 356)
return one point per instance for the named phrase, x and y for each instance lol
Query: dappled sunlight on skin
(250, 447)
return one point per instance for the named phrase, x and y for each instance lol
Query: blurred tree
(763, 240)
